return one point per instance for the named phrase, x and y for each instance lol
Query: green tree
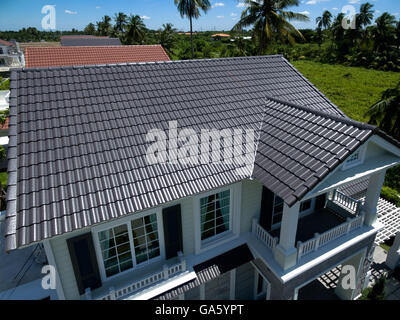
(104, 26)
(90, 29)
(269, 18)
(386, 112)
(325, 20)
(167, 37)
(120, 22)
(135, 29)
(384, 32)
(191, 9)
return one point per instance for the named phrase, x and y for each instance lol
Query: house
(83, 40)
(219, 36)
(10, 55)
(74, 56)
(106, 175)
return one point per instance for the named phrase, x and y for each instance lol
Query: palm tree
(104, 26)
(325, 20)
(120, 22)
(167, 37)
(398, 35)
(386, 112)
(135, 29)
(191, 9)
(364, 18)
(269, 19)
(383, 32)
(90, 29)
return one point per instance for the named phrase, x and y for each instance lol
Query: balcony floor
(319, 221)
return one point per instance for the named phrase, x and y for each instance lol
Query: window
(214, 214)
(305, 205)
(145, 238)
(277, 210)
(122, 249)
(116, 250)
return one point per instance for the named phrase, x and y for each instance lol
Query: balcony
(138, 282)
(340, 216)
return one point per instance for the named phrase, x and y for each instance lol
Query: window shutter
(84, 262)
(267, 202)
(320, 201)
(172, 223)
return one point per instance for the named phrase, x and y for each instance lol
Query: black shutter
(320, 201)
(172, 223)
(267, 202)
(84, 262)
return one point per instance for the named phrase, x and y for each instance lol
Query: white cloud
(70, 12)
(377, 11)
(233, 14)
(98, 7)
(336, 9)
(218, 4)
(312, 2)
(145, 17)
(242, 5)
(220, 17)
(354, 1)
(305, 12)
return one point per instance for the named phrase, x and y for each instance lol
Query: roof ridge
(314, 87)
(143, 63)
(348, 121)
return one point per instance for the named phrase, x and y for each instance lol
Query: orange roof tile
(73, 56)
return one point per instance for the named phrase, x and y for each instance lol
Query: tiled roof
(89, 41)
(80, 158)
(6, 43)
(74, 56)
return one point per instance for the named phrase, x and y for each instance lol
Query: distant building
(219, 36)
(10, 55)
(84, 40)
(37, 57)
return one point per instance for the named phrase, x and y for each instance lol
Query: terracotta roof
(5, 125)
(221, 35)
(6, 43)
(74, 56)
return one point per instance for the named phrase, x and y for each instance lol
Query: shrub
(390, 195)
(378, 290)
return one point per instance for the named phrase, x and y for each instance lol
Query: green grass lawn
(352, 89)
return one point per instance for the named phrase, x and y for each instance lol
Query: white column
(372, 197)
(285, 252)
(393, 256)
(52, 261)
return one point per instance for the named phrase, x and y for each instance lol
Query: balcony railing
(348, 203)
(162, 275)
(320, 240)
(262, 235)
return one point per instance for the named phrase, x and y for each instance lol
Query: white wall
(250, 207)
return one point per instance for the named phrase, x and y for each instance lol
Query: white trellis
(389, 216)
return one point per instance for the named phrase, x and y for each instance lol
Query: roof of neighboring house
(6, 43)
(81, 36)
(221, 35)
(80, 158)
(73, 56)
(89, 41)
(5, 125)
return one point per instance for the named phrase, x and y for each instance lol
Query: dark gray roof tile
(79, 158)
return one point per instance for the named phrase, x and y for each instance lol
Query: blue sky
(16, 14)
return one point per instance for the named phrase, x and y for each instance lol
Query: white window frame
(234, 219)
(361, 156)
(266, 286)
(127, 220)
(277, 224)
